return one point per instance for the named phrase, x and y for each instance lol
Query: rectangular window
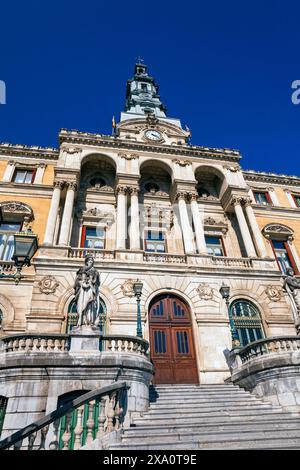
(23, 176)
(93, 237)
(155, 241)
(262, 198)
(7, 231)
(144, 86)
(283, 255)
(214, 245)
(296, 199)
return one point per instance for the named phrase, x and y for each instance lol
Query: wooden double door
(171, 341)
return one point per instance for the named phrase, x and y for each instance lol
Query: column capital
(181, 195)
(133, 190)
(120, 189)
(59, 184)
(247, 201)
(71, 185)
(236, 201)
(193, 196)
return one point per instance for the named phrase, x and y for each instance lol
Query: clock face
(153, 134)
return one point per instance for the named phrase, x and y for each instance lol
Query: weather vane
(140, 60)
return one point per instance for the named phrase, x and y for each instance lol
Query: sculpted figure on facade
(292, 286)
(87, 284)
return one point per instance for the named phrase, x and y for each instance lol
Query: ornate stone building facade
(151, 206)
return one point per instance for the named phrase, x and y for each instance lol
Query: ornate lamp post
(137, 289)
(225, 293)
(25, 246)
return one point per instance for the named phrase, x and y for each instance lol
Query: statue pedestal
(85, 339)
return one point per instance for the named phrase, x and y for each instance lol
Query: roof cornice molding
(16, 150)
(115, 142)
(250, 175)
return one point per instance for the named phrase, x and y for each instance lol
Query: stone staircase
(210, 417)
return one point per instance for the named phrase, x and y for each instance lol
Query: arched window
(3, 405)
(73, 316)
(246, 318)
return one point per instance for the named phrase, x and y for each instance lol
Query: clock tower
(142, 98)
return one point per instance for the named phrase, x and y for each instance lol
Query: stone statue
(292, 286)
(86, 288)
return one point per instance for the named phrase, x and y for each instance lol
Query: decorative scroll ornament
(108, 217)
(48, 285)
(72, 150)
(128, 156)
(274, 293)
(127, 288)
(182, 162)
(205, 291)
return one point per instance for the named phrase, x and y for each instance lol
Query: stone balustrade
(280, 344)
(125, 344)
(53, 343)
(28, 342)
(76, 424)
(244, 263)
(97, 253)
(7, 267)
(270, 368)
(165, 258)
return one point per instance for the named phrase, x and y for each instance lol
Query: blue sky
(225, 68)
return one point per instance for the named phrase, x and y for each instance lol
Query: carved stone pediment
(20, 209)
(278, 231)
(97, 214)
(163, 216)
(217, 226)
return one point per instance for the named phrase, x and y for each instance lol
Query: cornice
(250, 175)
(47, 153)
(115, 142)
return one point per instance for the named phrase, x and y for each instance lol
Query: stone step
(207, 417)
(272, 444)
(187, 402)
(199, 409)
(218, 426)
(182, 396)
(214, 436)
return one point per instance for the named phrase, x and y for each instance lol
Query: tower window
(7, 231)
(144, 87)
(283, 255)
(93, 237)
(23, 176)
(155, 241)
(262, 198)
(214, 245)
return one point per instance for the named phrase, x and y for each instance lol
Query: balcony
(207, 262)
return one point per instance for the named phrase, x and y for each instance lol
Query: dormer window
(262, 198)
(23, 176)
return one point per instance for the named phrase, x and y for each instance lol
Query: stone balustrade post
(67, 214)
(53, 212)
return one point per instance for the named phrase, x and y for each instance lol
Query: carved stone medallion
(205, 291)
(274, 293)
(127, 288)
(48, 285)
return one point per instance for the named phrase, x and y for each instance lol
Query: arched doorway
(171, 341)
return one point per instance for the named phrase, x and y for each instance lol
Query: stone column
(9, 171)
(290, 198)
(257, 235)
(38, 179)
(185, 224)
(250, 250)
(53, 212)
(135, 220)
(64, 238)
(273, 197)
(121, 217)
(198, 226)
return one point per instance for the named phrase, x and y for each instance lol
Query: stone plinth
(85, 338)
